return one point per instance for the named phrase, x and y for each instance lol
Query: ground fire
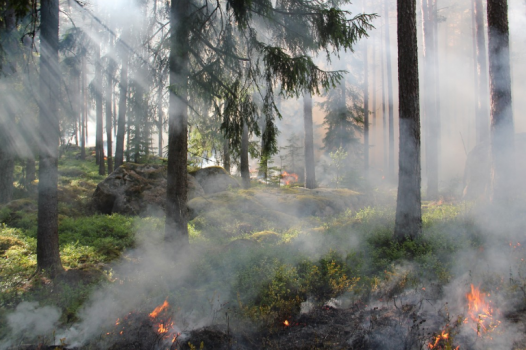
(289, 178)
(480, 313)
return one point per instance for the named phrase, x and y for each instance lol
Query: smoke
(30, 320)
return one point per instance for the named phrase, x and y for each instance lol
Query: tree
(481, 76)
(123, 88)
(390, 170)
(227, 47)
(502, 131)
(432, 119)
(97, 88)
(48, 256)
(408, 220)
(310, 170)
(244, 166)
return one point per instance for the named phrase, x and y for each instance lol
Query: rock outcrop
(214, 179)
(135, 189)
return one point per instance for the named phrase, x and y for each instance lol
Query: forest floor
(250, 281)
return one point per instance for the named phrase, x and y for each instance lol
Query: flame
(286, 323)
(159, 309)
(442, 341)
(480, 311)
(289, 178)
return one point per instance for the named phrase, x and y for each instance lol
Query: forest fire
(480, 312)
(163, 323)
(441, 341)
(289, 178)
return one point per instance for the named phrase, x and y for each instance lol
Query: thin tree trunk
(310, 167)
(109, 116)
(374, 110)
(160, 116)
(226, 155)
(48, 256)
(502, 129)
(482, 113)
(365, 111)
(7, 166)
(390, 172)
(263, 162)
(431, 124)
(83, 111)
(384, 116)
(244, 167)
(408, 220)
(119, 148)
(30, 170)
(99, 146)
(176, 228)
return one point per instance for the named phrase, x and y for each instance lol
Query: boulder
(214, 179)
(134, 189)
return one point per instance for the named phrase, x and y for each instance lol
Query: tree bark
(482, 112)
(502, 129)
(119, 148)
(244, 167)
(390, 172)
(99, 146)
(48, 256)
(176, 228)
(408, 220)
(310, 167)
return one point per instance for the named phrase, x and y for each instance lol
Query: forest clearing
(260, 174)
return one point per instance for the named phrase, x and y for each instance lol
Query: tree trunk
(482, 112)
(263, 162)
(84, 111)
(30, 170)
(374, 111)
(244, 167)
(384, 116)
(119, 148)
(160, 116)
(310, 167)
(365, 111)
(502, 133)
(48, 256)
(99, 146)
(7, 166)
(432, 126)
(390, 172)
(226, 155)
(408, 221)
(109, 116)
(176, 228)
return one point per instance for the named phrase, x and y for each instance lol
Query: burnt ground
(358, 327)
(362, 327)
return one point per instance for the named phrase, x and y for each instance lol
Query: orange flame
(289, 178)
(159, 309)
(480, 311)
(286, 323)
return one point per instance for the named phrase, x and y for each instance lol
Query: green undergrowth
(247, 262)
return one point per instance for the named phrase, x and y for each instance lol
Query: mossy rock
(214, 179)
(7, 242)
(266, 237)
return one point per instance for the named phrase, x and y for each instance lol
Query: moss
(266, 237)
(6, 242)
